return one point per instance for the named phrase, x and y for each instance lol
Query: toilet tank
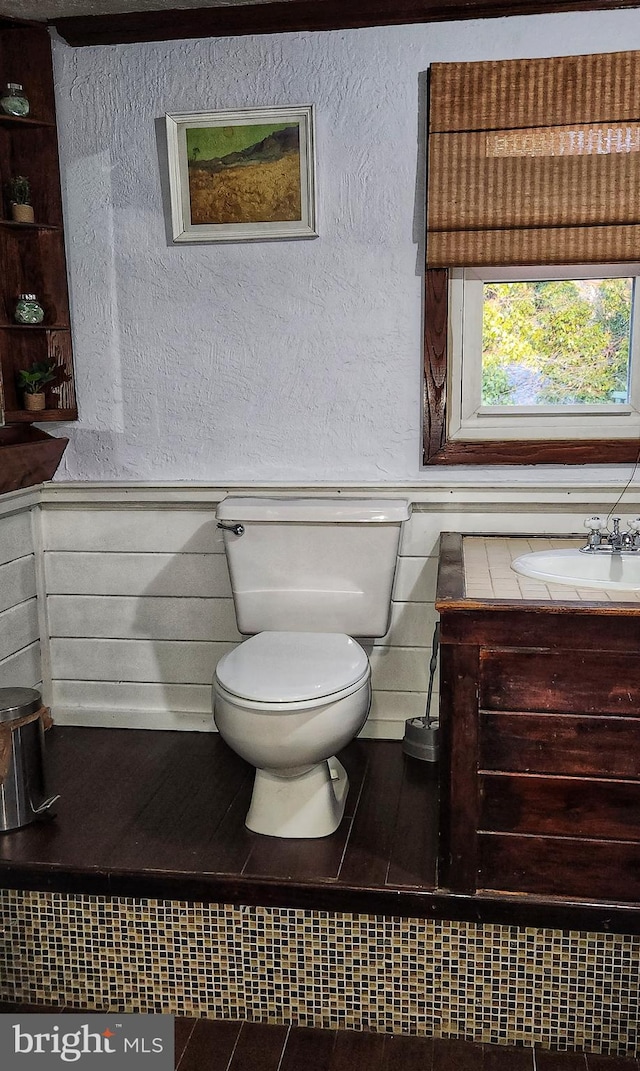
(313, 564)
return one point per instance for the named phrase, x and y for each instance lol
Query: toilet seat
(293, 669)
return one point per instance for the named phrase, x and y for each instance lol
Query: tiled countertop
(488, 572)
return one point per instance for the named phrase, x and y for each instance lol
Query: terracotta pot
(22, 213)
(34, 401)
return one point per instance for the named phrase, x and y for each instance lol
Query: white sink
(599, 569)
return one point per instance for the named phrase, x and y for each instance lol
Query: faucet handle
(634, 525)
(594, 524)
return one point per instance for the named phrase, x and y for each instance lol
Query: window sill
(535, 452)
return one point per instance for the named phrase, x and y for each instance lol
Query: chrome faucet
(614, 541)
(617, 539)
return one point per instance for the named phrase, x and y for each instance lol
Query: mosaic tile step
(490, 984)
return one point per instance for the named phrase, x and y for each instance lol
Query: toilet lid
(289, 667)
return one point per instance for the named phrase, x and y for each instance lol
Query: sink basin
(600, 569)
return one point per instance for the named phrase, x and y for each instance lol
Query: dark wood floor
(223, 1045)
(176, 802)
(172, 804)
(161, 814)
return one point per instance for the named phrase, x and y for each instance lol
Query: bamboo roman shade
(534, 161)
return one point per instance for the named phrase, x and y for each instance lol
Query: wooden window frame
(440, 450)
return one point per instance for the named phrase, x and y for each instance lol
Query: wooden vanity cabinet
(540, 723)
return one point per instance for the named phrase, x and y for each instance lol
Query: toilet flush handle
(237, 529)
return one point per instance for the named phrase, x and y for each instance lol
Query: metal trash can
(23, 797)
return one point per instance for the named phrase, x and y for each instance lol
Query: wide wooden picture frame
(243, 175)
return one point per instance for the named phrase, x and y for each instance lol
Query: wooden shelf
(17, 120)
(34, 327)
(40, 416)
(32, 255)
(30, 226)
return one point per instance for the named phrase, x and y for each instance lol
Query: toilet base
(306, 802)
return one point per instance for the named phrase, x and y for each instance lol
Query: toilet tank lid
(328, 510)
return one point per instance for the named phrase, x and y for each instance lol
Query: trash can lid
(16, 703)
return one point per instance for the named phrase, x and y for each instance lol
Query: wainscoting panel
(144, 661)
(18, 628)
(19, 625)
(139, 611)
(170, 575)
(126, 618)
(17, 582)
(139, 606)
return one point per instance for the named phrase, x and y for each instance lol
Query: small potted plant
(19, 189)
(32, 380)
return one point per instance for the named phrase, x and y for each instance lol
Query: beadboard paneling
(421, 536)
(415, 579)
(141, 705)
(21, 670)
(399, 669)
(17, 582)
(18, 628)
(139, 605)
(165, 531)
(125, 696)
(172, 575)
(136, 704)
(15, 537)
(156, 661)
(152, 618)
(139, 610)
(20, 664)
(412, 625)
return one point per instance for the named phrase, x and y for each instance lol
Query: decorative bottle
(28, 310)
(13, 100)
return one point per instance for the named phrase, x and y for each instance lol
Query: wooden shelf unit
(32, 255)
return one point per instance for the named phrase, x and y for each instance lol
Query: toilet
(307, 575)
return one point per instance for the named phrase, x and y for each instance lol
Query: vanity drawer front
(576, 682)
(560, 806)
(560, 866)
(560, 743)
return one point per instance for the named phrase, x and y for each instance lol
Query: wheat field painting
(241, 175)
(244, 174)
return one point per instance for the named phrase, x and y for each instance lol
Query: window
(533, 162)
(544, 353)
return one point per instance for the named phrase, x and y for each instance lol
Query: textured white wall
(269, 361)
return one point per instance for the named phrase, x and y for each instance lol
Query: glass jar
(28, 310)
(13, 100)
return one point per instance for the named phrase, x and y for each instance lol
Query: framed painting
(242, 175)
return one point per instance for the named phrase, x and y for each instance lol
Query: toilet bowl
(286, 702)
(306, 575)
